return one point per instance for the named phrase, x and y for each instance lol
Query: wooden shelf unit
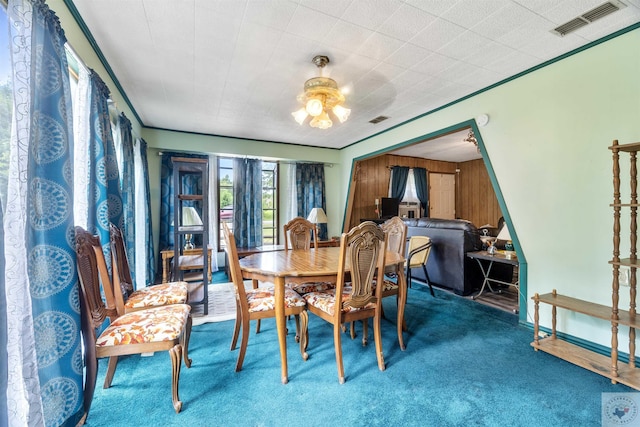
(188, 171)
(608, 367)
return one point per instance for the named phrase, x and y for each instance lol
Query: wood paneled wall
(475, 198)
(475, 201)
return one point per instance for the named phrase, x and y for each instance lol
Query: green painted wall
(547, 142)
(82, 47)
(159, 140)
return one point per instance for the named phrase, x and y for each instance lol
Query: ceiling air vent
(603, 10)
(378, 119)
(588, 17)
(570, 26)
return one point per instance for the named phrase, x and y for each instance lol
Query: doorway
(442, 195)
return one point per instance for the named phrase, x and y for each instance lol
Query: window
(410, 193)
(225, 195)
(269, 199)
(6, 103)
(269, 203)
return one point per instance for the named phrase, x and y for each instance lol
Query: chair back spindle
(364, 247)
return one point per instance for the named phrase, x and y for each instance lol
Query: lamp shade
(317, 216)
(300, 115)
(504, 233)
(190, 217)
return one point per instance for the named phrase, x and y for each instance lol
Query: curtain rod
(393, 166)
(284, 162)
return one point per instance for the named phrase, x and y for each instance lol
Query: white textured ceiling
(235, 67)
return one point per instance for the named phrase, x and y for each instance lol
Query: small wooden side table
(190, 260)
(333, 243)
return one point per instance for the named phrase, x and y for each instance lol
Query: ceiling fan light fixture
(300, 115)
(341, 113)
(471, 137)
(322, 121)
(314, 107)
(321, 95)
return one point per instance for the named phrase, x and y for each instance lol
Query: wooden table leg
(402, 301)
(165, 268)
(281, 326)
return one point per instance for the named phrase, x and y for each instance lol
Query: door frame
(471, 123)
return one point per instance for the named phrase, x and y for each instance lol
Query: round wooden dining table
(315, 265)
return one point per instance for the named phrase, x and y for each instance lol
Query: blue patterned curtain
(149, 255)
(167, 194)
(310, 192)
(422, 189)
(247, 202)
(104, 178)
(43, 349)
(399, 176)
(127, 188)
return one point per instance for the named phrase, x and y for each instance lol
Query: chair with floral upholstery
(395, 231)
(151, 296)
(144, 331)
(362, 253)
(259, 303)
(298, 233)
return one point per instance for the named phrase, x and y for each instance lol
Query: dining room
(79, 106)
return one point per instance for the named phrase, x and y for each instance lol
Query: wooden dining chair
(299, 234)
(259, 303)
(128, 299)
(395, 230)
(363, 250)
(144, 331)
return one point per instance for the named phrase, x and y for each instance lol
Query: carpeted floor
(466, 364)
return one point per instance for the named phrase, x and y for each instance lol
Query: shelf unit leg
(633, 256)
(553, 317)
(536, 319)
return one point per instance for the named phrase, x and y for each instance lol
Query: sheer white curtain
(23, 388)
(213, 211)
(292, 190)
(140, 218)
(410, 194)
(81, 155)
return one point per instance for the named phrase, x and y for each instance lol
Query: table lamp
(190, 218)
(505, 235)
(317, 216)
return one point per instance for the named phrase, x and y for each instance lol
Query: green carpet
(465, 365)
